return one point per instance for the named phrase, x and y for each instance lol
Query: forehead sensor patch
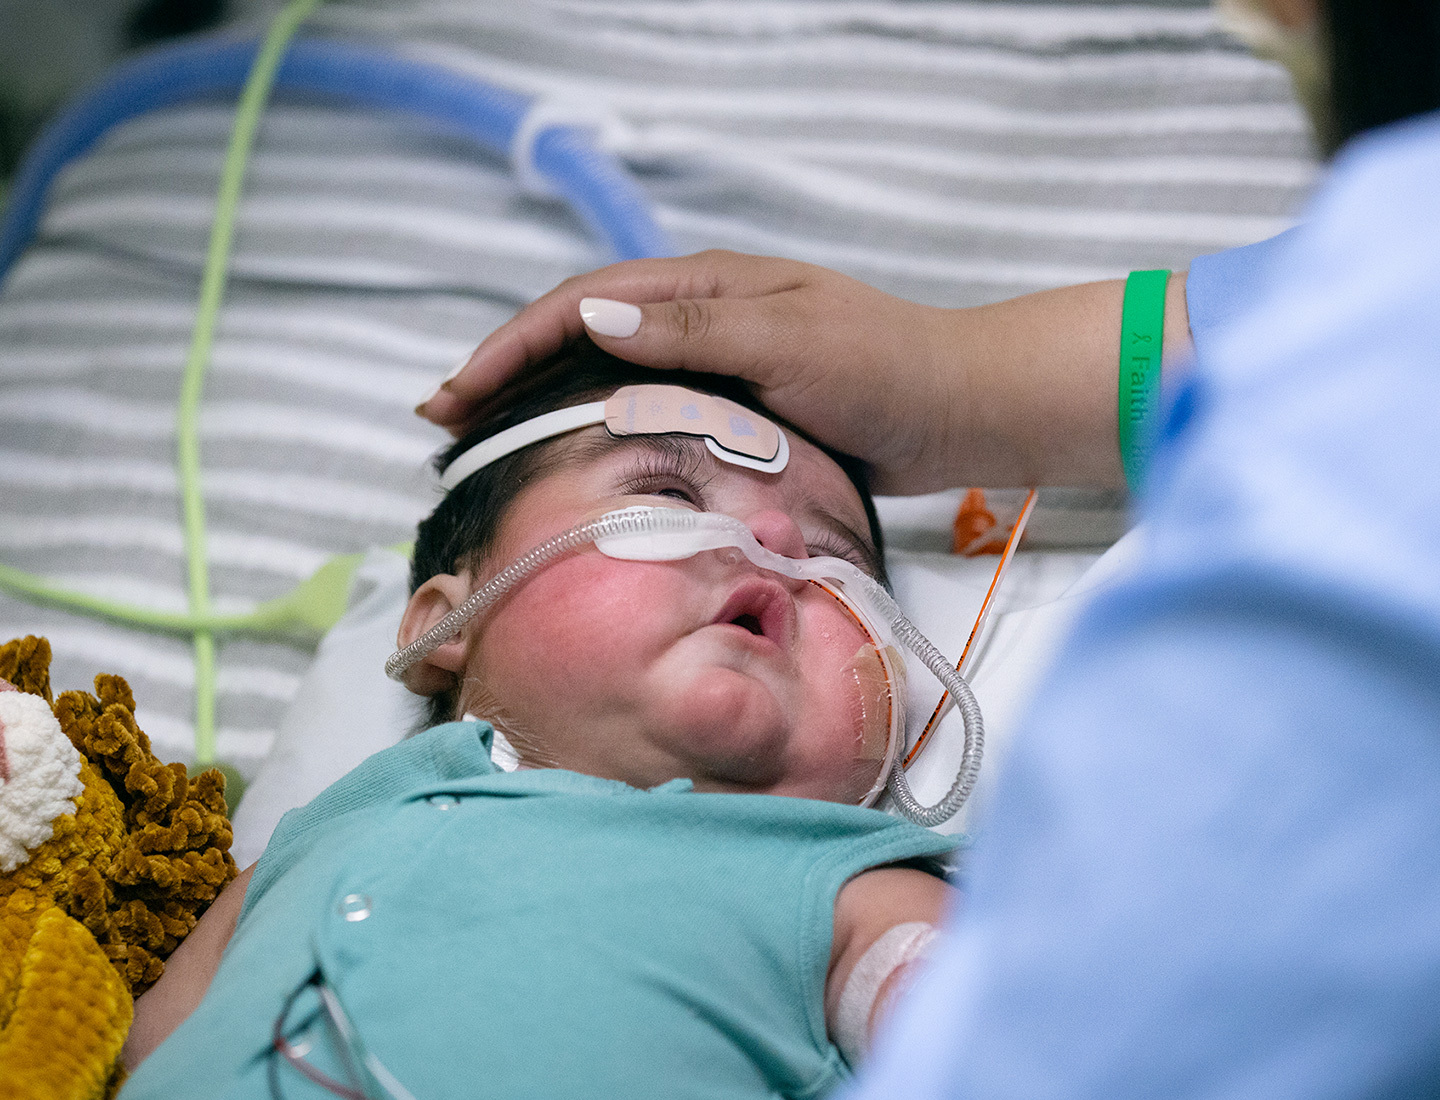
(732, 433)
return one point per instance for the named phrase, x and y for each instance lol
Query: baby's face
(722, 672)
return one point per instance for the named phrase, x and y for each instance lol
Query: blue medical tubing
(598, 187)
(560, 155)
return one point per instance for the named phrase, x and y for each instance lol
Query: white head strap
(732, 433)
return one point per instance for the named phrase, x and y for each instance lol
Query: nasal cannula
(672, 534)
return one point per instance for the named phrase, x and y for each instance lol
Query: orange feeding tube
(1011, 545)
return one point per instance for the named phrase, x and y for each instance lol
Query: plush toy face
(39, 774)
(107, 858)
(131, 847)
(64, 1006)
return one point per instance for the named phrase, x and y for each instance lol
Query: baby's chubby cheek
(592, 639)
(583, 637)
(579, 607)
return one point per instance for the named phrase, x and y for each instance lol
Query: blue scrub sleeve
(1211, 865)
(1220, 287)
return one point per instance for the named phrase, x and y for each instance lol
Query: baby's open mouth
(763, 608)
(750, 623)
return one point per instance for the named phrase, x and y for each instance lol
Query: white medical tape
(900, 946)
(502, 753)
(548, 113)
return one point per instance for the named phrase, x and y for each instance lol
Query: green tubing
(303, 614)
(308, 611)
(212, 291)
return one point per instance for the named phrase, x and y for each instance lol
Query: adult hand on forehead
(1022, 392)
(804, 338)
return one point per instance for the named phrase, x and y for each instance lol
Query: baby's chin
(739, 736)
(729, 726)
(845, 782)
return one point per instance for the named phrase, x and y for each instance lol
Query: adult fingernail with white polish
(456, 369)
(609, 317)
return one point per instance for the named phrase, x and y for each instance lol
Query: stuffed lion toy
(107, 859)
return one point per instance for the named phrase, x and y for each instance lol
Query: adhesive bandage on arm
(861, 1001)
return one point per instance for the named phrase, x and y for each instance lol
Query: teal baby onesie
(536, 933)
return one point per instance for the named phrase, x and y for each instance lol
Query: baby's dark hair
(464, 526)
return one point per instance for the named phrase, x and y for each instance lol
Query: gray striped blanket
(955, 153)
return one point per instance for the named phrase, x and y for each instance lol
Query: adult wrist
(1142, 343)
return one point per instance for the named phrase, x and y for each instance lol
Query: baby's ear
(441, 670)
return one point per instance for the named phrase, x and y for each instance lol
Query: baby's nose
(778, 533)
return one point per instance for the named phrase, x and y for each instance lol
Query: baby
(628, 910)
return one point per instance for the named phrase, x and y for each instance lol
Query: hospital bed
(954, 153)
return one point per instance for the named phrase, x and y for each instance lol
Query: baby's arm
(188, 971)
(889, 910)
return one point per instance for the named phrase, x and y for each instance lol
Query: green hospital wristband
(1142, 335)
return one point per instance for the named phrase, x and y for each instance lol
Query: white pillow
(346, 707)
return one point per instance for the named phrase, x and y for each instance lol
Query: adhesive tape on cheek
(872, 704)
(892, 672)
(732, 432)
(877, 682)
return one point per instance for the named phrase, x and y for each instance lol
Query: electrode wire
(963, 665)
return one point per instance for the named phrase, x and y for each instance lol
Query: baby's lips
(764, 607)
